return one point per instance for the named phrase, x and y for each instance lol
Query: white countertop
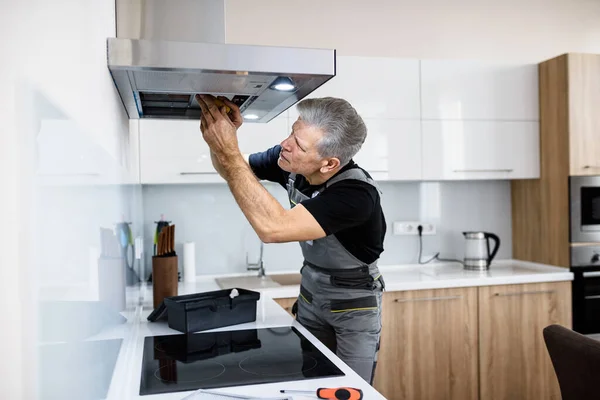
(126, 377)
(442, 275)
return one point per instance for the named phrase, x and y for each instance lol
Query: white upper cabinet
(478, 90)
(426, 120)
(470, 150)
(377, 87)
(257, 137)
(392, 150)
(173, 151)
(67, 155)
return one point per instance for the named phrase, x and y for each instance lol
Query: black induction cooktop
(175, 363)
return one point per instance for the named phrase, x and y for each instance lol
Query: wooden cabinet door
(584, 118)
(287, 304)
(429, 345)
(514, 361)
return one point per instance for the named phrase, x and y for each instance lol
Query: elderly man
(335, 214)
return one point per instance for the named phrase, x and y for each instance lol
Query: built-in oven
(584, 209)
(585, 265)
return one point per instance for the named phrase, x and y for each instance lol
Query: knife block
(164, 278)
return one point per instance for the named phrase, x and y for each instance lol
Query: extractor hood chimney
(167, 51)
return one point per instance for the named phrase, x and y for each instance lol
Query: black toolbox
(208, 310)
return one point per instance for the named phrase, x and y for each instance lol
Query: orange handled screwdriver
(341, 393)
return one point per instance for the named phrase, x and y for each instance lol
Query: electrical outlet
(405, 228)
(428, 229)
(411, 228)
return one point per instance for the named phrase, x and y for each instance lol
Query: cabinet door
(480, 150)
(584, 118)
(175, 152)
(286, 304)
(67, 155)
(392, 150)
(429, 345)
(257, 137)
(479, 90)
(514, 360)
(377, 87)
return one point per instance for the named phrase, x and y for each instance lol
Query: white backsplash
(209, 216)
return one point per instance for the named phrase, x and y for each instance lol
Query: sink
(287, 279)
(256, 282)
(247, 282)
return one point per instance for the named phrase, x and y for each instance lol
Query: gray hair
(344, 129)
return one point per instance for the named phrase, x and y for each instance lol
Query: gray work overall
(340, 296)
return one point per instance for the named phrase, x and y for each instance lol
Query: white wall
(10, 339)
(208, 216)
(527, 30)
(55, 69)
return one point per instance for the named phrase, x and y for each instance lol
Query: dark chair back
(576, 361)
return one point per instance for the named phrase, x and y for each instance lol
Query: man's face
(299, 150)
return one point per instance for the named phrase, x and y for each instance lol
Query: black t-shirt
(349, 209)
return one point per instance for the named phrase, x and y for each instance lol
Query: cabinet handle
(197, 173)
(485, 170)
(591, 166)
(428, 299)
(521, 293)
(592, 297)
(74, 174)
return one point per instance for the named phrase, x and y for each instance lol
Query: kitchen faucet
(260, 265)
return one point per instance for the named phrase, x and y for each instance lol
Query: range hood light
(283, 84)
(251, 116)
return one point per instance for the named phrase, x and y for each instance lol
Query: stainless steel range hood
(165, 52)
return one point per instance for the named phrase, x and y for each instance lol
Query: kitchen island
(452, 292)
(126, 378)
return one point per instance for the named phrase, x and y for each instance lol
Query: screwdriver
(341, 393)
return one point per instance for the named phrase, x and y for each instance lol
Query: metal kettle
(477, 250)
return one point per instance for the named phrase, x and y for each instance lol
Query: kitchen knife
(173, 239)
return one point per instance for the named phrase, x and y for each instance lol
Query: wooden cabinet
(287, 304)
(429, 345)
(569, 146)
(469, 343)
(469, 150)
(583, 76)
(514, 360)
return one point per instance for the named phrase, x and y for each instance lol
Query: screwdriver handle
(341, 393)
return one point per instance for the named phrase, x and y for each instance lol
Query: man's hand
(219, 129)
(233, 113)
